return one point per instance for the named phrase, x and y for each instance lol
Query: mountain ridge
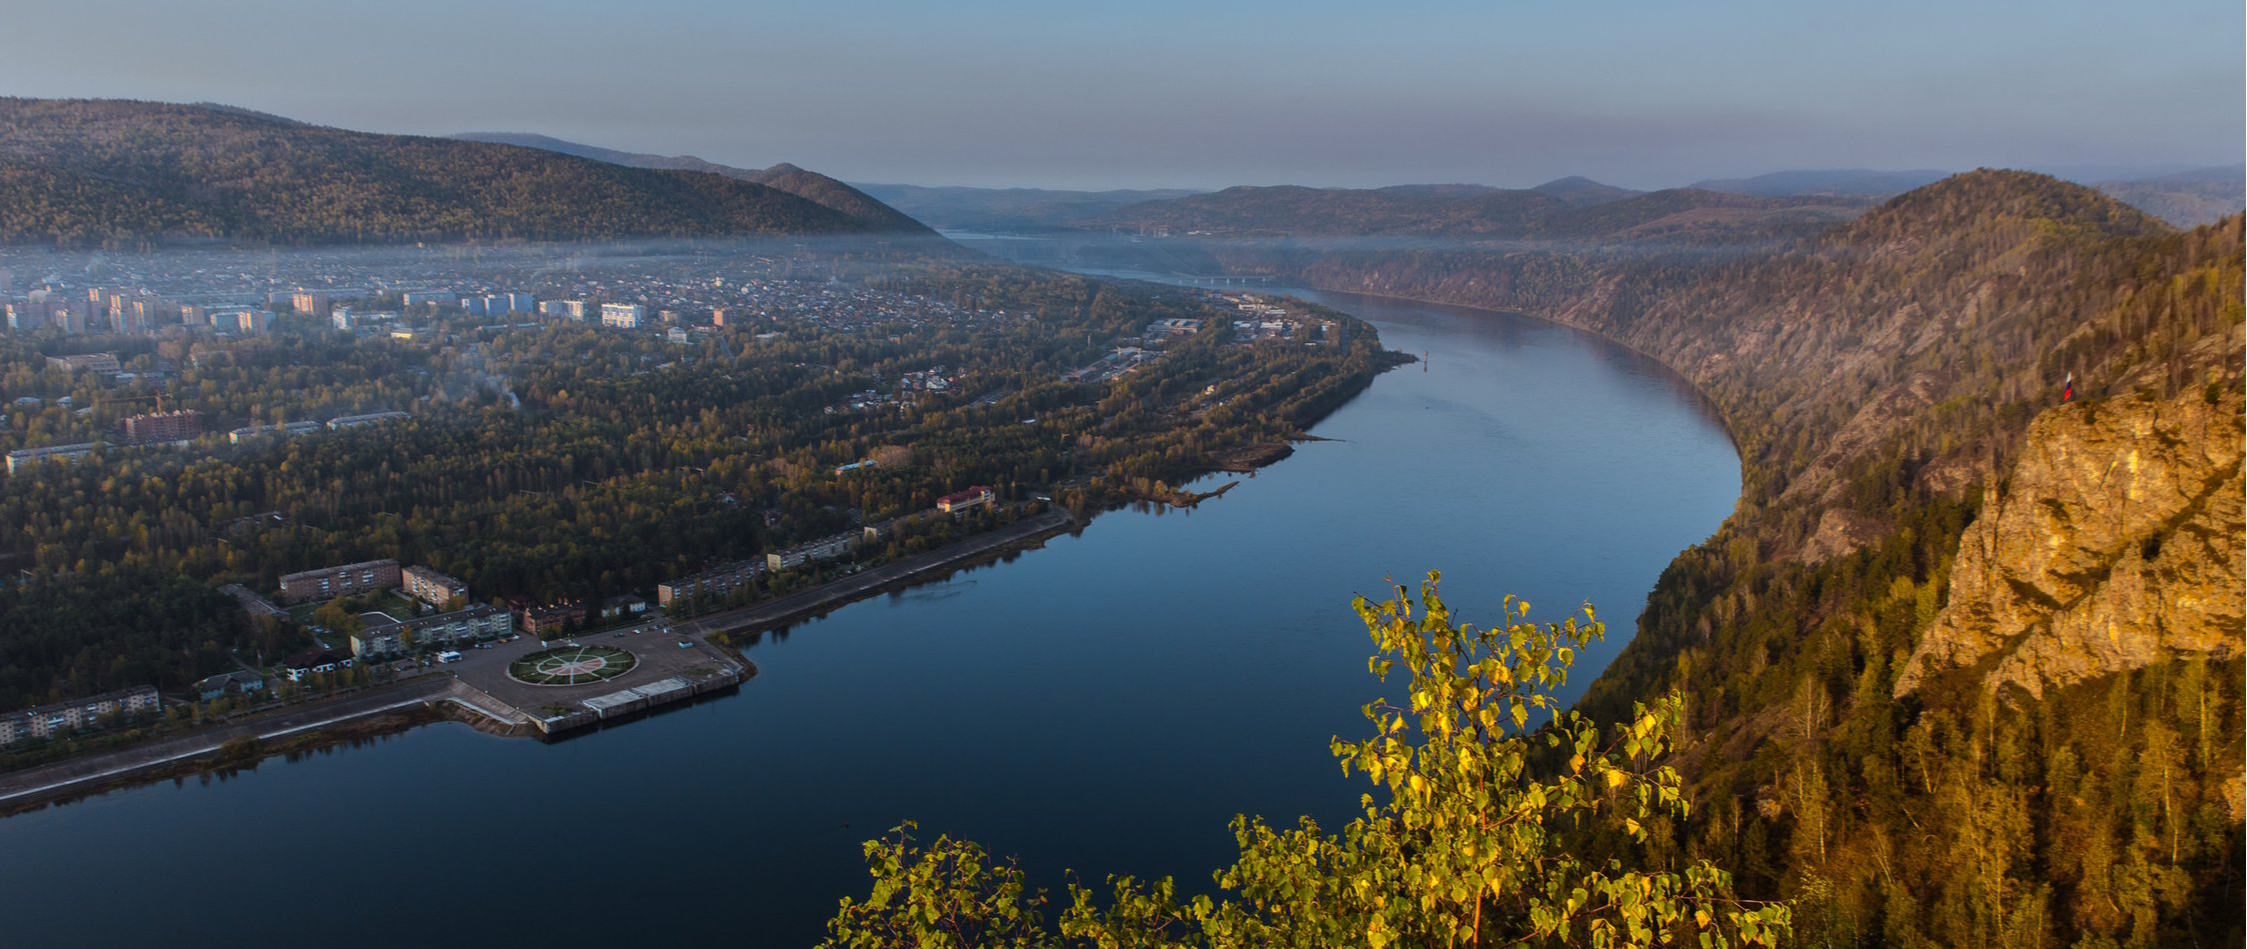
(101, 170)
(1876, 377)
(813, 186)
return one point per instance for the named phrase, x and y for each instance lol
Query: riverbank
(405, 704)
(420, 701)
(759, 617)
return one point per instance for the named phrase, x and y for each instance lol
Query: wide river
(1104, 704)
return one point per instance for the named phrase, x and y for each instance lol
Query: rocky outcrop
(2116, 544)
(1840, 533)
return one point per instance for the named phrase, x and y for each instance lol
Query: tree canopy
(1478, 831)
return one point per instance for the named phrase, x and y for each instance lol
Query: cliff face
(2116, 545)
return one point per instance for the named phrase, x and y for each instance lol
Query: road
(837, 592)
(59, 778)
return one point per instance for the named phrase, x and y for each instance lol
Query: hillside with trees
(122, 173)
(1570, 209)
(1964, 667)
(811, 185)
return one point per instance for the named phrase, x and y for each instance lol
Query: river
(1106, 703)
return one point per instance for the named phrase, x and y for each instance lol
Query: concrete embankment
(827, 596)
(34, 786)
(480, 706)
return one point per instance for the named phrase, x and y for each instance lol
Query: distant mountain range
(2185, 199)
(1787, 202)
(1568, 209)
(2189, 198)
(1009, 209)
(1853, 183)
(812, 185)
(93, 171)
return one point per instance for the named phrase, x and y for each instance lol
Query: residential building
(623, 316)
(164, 426)
(430, 298)
(623, 605)
(353, 421)
(969, 499)
(315, 662)
(578, 310)
(311, 301)
(252, 603)
(546, 622)
(716, 581)
(254, 432)
(241, 682)
(47, 721)
(825, 548)
(89, 362)
(427, 585)
(442, 631)
(26, 457)
(331, 582)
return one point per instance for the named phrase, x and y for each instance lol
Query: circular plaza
(571, 665)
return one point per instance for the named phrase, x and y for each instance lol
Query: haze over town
(1194, 95)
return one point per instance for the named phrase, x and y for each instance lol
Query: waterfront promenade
(62, 778)
(762, 616)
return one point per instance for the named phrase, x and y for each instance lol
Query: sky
(1167, 93)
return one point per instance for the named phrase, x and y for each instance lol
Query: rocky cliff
(2116, 544)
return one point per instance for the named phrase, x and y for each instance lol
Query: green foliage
(1463, 842)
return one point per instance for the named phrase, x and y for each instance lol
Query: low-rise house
(241, 682)
(316, 661)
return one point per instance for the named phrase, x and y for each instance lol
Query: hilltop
(811, 185)
(90, 171)
(1957, 629)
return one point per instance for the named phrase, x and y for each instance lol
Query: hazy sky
(1165, 93)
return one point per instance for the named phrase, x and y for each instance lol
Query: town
(519, 446)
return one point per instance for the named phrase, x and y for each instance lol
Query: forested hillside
(2063, 765)
(1570, 209)
(95, 171)
(820, 189)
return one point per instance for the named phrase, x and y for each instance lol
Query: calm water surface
(1104, 704)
